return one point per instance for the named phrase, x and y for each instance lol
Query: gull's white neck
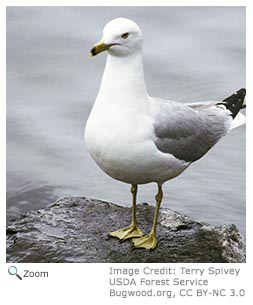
(123, 81)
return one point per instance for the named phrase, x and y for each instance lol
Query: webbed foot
(126, 233)
(148, 242)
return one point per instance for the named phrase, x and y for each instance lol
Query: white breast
(125, 151)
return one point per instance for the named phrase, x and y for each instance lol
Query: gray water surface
(190, 54)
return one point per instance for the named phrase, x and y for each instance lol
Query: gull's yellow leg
(150, 241)
(133, 230)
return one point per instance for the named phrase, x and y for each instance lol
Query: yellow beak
(100, 47)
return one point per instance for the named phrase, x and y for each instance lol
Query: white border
(249, 146)
(85, 283)
(2, 135)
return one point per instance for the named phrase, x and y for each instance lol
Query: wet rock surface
(76, 230)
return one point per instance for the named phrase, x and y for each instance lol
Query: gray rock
(76, 230)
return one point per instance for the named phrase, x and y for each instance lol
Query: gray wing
(185, 132)
(202, 105)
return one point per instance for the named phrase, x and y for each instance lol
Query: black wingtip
(242, 91)
(234, 103)
(240, 94)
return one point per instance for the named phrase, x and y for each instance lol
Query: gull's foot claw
(126, 233)
(148, 242)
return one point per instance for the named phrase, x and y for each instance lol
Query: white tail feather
(239, 120)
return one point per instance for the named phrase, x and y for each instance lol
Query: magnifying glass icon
(14, 271)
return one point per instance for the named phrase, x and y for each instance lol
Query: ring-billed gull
(139, 139)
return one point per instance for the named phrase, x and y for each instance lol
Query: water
(190, 54)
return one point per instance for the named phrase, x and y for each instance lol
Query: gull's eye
(125, 35)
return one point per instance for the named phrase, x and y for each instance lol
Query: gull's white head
(121, 37)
